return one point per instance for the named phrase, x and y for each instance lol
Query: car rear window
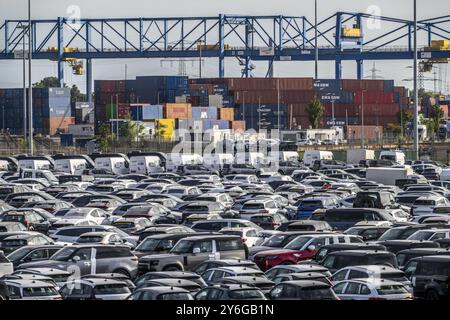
(392, 289)
(14, 243)
(317, 293)
(253, 206)
(111, 289)
(424, 202)
(261, 219)
(90, 239)
(13, 217)
(311, 203)
(39, 292)
(175, 296)
(246, 294)
(394, 276)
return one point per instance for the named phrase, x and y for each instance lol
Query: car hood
(256, 249)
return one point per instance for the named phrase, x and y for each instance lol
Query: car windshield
(196, 208)
(391, 234)
(421, 235)
(394, 276)
(75, 213)
(40, 292)
(275, 241)
(298, 243)
(63, 254)
(246, 294)
(19, 253)
(147, 245)
(392, 289)
(423, 202)
(311, 203)
(111, 289)
(253, 206)
(183, 246)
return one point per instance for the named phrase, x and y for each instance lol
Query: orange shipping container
(238, 125)
(226, 114)
(178, 111)
(59, 124)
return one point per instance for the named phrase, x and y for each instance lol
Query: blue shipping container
(328, 85)
(66, 139)
(136, 113)
(388, 85)
(199, 113)
(216, 124)
(152, 112)
(339, 97)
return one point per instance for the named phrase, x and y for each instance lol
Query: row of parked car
(318, 233)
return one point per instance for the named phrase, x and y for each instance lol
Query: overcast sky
(10, 71)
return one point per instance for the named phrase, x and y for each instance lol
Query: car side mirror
(311, 247)
(196, 251)
(76, 258)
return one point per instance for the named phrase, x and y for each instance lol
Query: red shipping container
(354, 132)
(374, 97)
(360, 85)
(123, 110)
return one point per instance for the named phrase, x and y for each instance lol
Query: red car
(301, 248)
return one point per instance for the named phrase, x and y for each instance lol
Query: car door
(351, 292)
(83, 259)
(232, 248)
(201, 251)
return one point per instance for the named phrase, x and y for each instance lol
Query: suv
(404, 256)
(191, 251)
(91, 259)
(20, 289)
(430, 277)
(230, 292)
(341, 259)
(344, 218)
(374, 199)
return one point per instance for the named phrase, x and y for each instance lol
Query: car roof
(374, 282)
(96, 281)
(164, 289)
(47, 271)
(374, 268)
(28, 283)
(249, 279)
(424, 250)
(359, 252)
(195, 238)
(436, 258)
(306, 283)
(237, 269)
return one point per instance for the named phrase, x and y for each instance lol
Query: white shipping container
(216, 100)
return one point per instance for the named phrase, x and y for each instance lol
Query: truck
(354, 156)
(388, 176)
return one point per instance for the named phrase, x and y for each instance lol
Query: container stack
(51, 110)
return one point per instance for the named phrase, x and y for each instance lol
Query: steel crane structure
(249, 38)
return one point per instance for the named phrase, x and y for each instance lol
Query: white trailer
(116, 165)
(354, 156)
(388, 176)
(312, 155)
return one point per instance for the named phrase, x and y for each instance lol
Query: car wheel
(432, 295)
(171, 268)
(122, 271)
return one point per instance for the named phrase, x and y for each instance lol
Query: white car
(425, 204)
(371, 289)
(20, 289)
(252, 207)
(95, 215)
(6, 267)
(400, 215)
(371, 272)
(249, 235)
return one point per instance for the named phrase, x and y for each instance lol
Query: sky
(11, 71)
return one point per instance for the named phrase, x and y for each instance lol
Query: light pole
(24, 80)
(416, 93)
(362, 120)
(315, 42)
(30, 89)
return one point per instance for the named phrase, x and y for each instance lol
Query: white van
(174, 160)
(71, 166)
(445, 175)
(116, 165)
(34, 164)
(216, 161)
(312, 155)
(397, 156)
(145, 164)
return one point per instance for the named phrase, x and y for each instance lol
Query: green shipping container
(111, 111)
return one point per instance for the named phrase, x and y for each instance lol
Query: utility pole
(30, 89)
(362, 121)
(416, 93)
(315, 42)
(24, 82)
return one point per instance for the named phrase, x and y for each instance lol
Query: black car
(32, 219)
(323, 251)
(404, 256)
(209, 264)
(403, 232)
(230, 292)
(171, 275)
(302, 290)
(159, 243)
(368, 233)
(395, 246)
(341, 259)
(32, 253)
(262, 283)
(189, 285)
(430, 276)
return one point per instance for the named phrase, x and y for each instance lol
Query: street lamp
(416, 94)
(30, 89)
(315, 42)
(362, 120)
(24, 79)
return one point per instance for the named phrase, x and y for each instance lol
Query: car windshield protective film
(183, 246)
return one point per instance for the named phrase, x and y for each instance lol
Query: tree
(436, 116)
(404, 117)
(105, 137)
(131, 130)
(76, 95)
(315, 112)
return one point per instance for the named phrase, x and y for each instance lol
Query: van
(344, 218)
(71, 166)
(396, 156)
(445, 175)
(175, 160)
(191, 251)
(218, 160)
(34, 164)
(116, 165)
(311, 156)
(39, 174)
(145, 165)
